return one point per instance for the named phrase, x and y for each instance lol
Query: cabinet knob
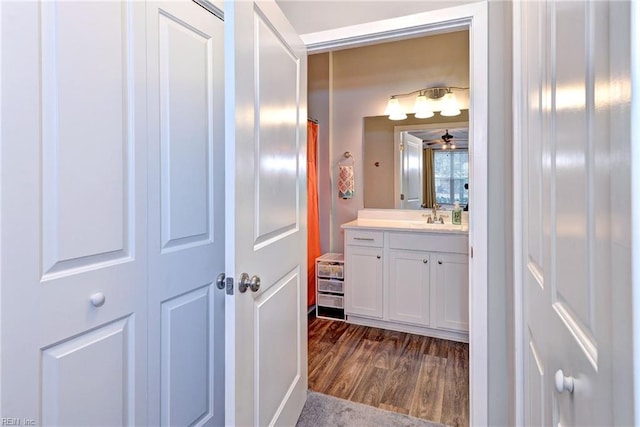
(439, 262)
(425, 261)
(378, 256)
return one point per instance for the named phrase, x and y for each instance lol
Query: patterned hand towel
(346, 184)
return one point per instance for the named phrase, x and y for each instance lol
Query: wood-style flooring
(420, 376)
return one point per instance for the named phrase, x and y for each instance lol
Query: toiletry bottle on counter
(456, 216)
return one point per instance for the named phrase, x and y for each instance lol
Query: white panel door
(73, 209)
(185, 51)
(411, 167)
(567, 243)
(266, 345)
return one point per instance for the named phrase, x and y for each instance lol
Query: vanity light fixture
(428, 101)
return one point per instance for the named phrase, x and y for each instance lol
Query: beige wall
(378, 140)
(361, 81)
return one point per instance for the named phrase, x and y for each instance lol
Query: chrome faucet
(434, 210)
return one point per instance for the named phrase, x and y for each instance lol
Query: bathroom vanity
(405, 274)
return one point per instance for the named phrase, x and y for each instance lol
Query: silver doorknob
(245, 282)
(98, 299)
(220, 281)
(563, 383)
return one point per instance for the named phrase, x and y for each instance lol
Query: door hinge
(471, 252)
(402, 197)
(229, 286)
(401, 146)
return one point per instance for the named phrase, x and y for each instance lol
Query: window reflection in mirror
(397, 173)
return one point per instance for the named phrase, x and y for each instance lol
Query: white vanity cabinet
(411, 281)
(452, 292)
(409, 287)
(364, 271)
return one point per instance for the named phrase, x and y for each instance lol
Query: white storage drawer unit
(330, 286)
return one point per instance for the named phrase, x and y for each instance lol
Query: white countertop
(406, 225)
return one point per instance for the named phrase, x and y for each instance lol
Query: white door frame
(475, 18)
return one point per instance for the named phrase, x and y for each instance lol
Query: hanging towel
(346, 184)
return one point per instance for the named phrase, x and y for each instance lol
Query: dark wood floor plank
(322, 375)
(403, 376)
(437, 347)
(429, 393)
(371, 386)
(350, 370)
(455, 404)
(389, 349)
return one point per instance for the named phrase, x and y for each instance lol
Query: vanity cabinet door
(363, 287)
(409, 287)
(452, 291)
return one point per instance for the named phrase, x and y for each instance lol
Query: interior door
(73, 213)
(567, 243)
(266, 345)
(185, 50)
(412, 178)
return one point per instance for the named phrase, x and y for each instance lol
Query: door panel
(88, 380)
(73, 212)
(100, 133)
(535, 383)
(186, 55)
(266, 202)
(567, 240)
(186, 222)
(278, 367)
(186, 368)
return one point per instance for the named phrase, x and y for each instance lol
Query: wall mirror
(412, 163)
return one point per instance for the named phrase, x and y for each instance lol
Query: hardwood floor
(420, 376)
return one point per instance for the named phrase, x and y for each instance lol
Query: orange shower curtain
(313, 225)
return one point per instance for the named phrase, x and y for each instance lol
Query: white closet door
(73, 212)
(186, 214)
(567, 240)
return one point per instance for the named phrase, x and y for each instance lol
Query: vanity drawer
(431, 242)
(364, 238)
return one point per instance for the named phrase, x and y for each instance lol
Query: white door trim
(635, 198)
(517, 225)
(473, 17)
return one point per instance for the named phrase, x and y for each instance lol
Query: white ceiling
(310, 16)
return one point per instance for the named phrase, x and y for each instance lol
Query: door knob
(245, 282)
(563, 383)
(439, 261)
(424, 261)
(98, 299)
(220, 281)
